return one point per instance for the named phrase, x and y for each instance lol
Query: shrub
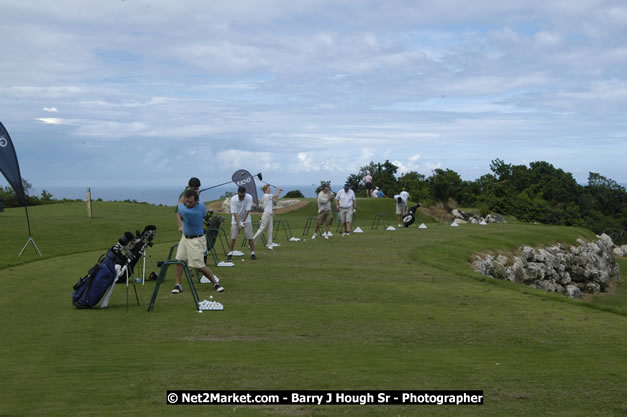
(294, 194)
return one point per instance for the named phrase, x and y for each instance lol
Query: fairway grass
(380, 310)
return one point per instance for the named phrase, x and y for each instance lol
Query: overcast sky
(151, 92)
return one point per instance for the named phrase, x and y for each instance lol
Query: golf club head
(260, 176)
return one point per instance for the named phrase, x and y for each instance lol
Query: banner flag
(241, 177)
(9, 166)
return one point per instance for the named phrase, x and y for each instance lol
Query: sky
(152, 92)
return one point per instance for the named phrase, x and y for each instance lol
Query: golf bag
(116, 265)
(410, 217)
(212, 227)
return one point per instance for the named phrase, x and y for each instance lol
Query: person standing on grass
(367, 180)
(346, 203)
(193, 244)
(325, 216)
(241, 206)
(266, 217)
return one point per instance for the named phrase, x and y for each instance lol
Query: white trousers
(266, 224)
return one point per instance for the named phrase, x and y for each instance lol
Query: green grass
(378, 310)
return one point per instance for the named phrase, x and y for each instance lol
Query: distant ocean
(153, 195)
(157, 195)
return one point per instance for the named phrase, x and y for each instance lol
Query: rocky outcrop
(570, 270)
(462, 217)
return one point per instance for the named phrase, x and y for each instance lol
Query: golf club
(228, 182)
(261, 179)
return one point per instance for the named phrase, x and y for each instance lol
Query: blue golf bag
(91, 288)
(116, 266)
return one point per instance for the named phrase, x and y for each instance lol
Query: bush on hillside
(294, 194)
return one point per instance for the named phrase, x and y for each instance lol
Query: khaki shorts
(325, 218)
(248, 231)
(346, 215)
(192, 251)
(401, 208)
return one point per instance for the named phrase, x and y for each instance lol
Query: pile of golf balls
(205, 280)
(210, 305)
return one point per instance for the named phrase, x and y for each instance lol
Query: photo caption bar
(200, 397)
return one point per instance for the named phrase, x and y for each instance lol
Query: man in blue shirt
(193, 244)
(192, 184)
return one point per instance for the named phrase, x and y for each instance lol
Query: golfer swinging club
(193, 244)
(325, 216)
(241, 206)
(266, 218)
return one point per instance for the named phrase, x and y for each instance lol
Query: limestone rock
(573, 291)
(589, 267)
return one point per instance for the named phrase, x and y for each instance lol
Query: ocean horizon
(167, 196)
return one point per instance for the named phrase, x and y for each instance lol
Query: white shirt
(346, 198)
(403, 201)
(405, 196)
(240, 207)
(267, 203)
(324, 201)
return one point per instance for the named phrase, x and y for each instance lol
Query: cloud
(53, 120)
(296, 89)
(307, 163)
(238, 159)
(548, 38)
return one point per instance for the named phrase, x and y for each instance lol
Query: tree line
(9, 197)
(535, 193)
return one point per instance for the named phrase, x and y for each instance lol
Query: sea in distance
(167, 196)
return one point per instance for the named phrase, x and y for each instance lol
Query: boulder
(606, 240)
(499, 270)
(518, 271)
(589, 267)
(536, 271)
(573, 291)
(593, 288)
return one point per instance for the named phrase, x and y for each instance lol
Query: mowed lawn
(380, 310)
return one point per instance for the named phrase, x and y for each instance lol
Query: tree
(46, 196)
(383, 176)
(322, 184)
(445, 184)
(416, 185)
(607, 194)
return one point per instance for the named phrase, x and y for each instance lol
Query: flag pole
(30, 235)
